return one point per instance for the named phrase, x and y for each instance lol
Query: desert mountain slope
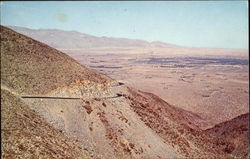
(99, 120)
(31, 67)
(226, 140)
(27, 135)
(108, 122)
(236, 132)
(77, 40)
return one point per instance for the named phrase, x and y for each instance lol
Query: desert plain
(212, 83)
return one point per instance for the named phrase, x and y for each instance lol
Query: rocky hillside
(226, 140)
(26, 135)
(31, 67)
(54, 98)
(235, 132)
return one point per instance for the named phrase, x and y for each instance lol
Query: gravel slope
(26, 135)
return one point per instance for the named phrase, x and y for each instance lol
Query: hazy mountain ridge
(61, 39)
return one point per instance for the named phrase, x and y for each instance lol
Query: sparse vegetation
(88, 108)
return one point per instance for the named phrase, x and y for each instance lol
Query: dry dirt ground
(213, 85)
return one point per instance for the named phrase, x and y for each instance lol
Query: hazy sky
(221, 24)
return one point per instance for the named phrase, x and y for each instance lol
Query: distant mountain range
(61, 39)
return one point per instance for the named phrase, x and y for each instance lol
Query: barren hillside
(27, 135)
(36, 68)
(236, 132)
(58, 99)
(177, 127)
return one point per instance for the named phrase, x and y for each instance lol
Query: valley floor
(215, 88)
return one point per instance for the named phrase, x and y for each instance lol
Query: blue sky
(211, 24)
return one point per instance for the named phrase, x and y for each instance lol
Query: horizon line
(177, 45)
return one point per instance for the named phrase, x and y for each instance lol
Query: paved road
(42, 97)
(48, 97)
